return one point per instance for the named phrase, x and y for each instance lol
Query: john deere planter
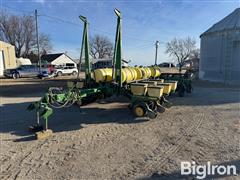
(146, 89)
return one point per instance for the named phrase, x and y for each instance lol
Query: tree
(20, 31)
(181, 49)
(195, 54)
(101, 47)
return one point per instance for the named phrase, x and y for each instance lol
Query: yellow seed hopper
(167, 87)
(139, 89)
(155, 91)
(153, 83)
(173, 84)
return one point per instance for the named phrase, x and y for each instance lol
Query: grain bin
(220, 51)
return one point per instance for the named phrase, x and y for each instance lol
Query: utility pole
(156, 53)
(39, 57)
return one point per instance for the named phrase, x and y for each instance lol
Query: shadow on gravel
(15, 118)
(207, 96)
(29, 89)
(177, 174)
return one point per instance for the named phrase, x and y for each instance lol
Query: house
(7, 57)
(59, 59)
(106, 63)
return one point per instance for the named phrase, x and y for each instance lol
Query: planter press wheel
(152, 105)
(151, 110)
(139, 110)
(160, 108)
(152, 115)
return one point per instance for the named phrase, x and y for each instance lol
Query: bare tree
(181, 49)
(44, 44)
(195, 54)
(20, 31)
(101, 47)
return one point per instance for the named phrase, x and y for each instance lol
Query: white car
(68, 70)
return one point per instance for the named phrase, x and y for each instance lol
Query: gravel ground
(104, 141)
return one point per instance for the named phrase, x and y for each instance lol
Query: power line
(60, 20)
(78, 25)
(94, 29)
(17, 10)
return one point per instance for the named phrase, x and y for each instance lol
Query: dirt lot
(104, 141)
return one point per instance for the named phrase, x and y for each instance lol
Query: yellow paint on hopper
(124, 76)
(152, 83)
(139, 89)
(166, 87)
(155, 91)
(103, 75)
(174, 85)
(148, 72)
(155, 71)
(133, 73)
(139, 73)
(144, 73)
(129, 74)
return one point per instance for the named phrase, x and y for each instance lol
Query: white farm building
(59, 59)
(220, 51)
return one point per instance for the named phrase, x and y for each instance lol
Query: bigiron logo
(202, 171)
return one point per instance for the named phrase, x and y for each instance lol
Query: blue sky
(144, 22)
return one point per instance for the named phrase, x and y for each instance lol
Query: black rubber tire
(161, 109)
(59, 73)
(152, 115)
(15, 75)
(74, 73)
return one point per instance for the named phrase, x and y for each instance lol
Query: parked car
(22, 71)
(43, 74)
(166, 64)
(67, 70)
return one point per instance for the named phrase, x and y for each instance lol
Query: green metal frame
(118, 50)
(85, 47)
(72, 95)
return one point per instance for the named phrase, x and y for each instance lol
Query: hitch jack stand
(44, 133)
(47, 132)
(37, 127)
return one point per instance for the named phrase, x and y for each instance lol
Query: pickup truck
(22, 71)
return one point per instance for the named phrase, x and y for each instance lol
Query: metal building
(7, 57)
(220, 51)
